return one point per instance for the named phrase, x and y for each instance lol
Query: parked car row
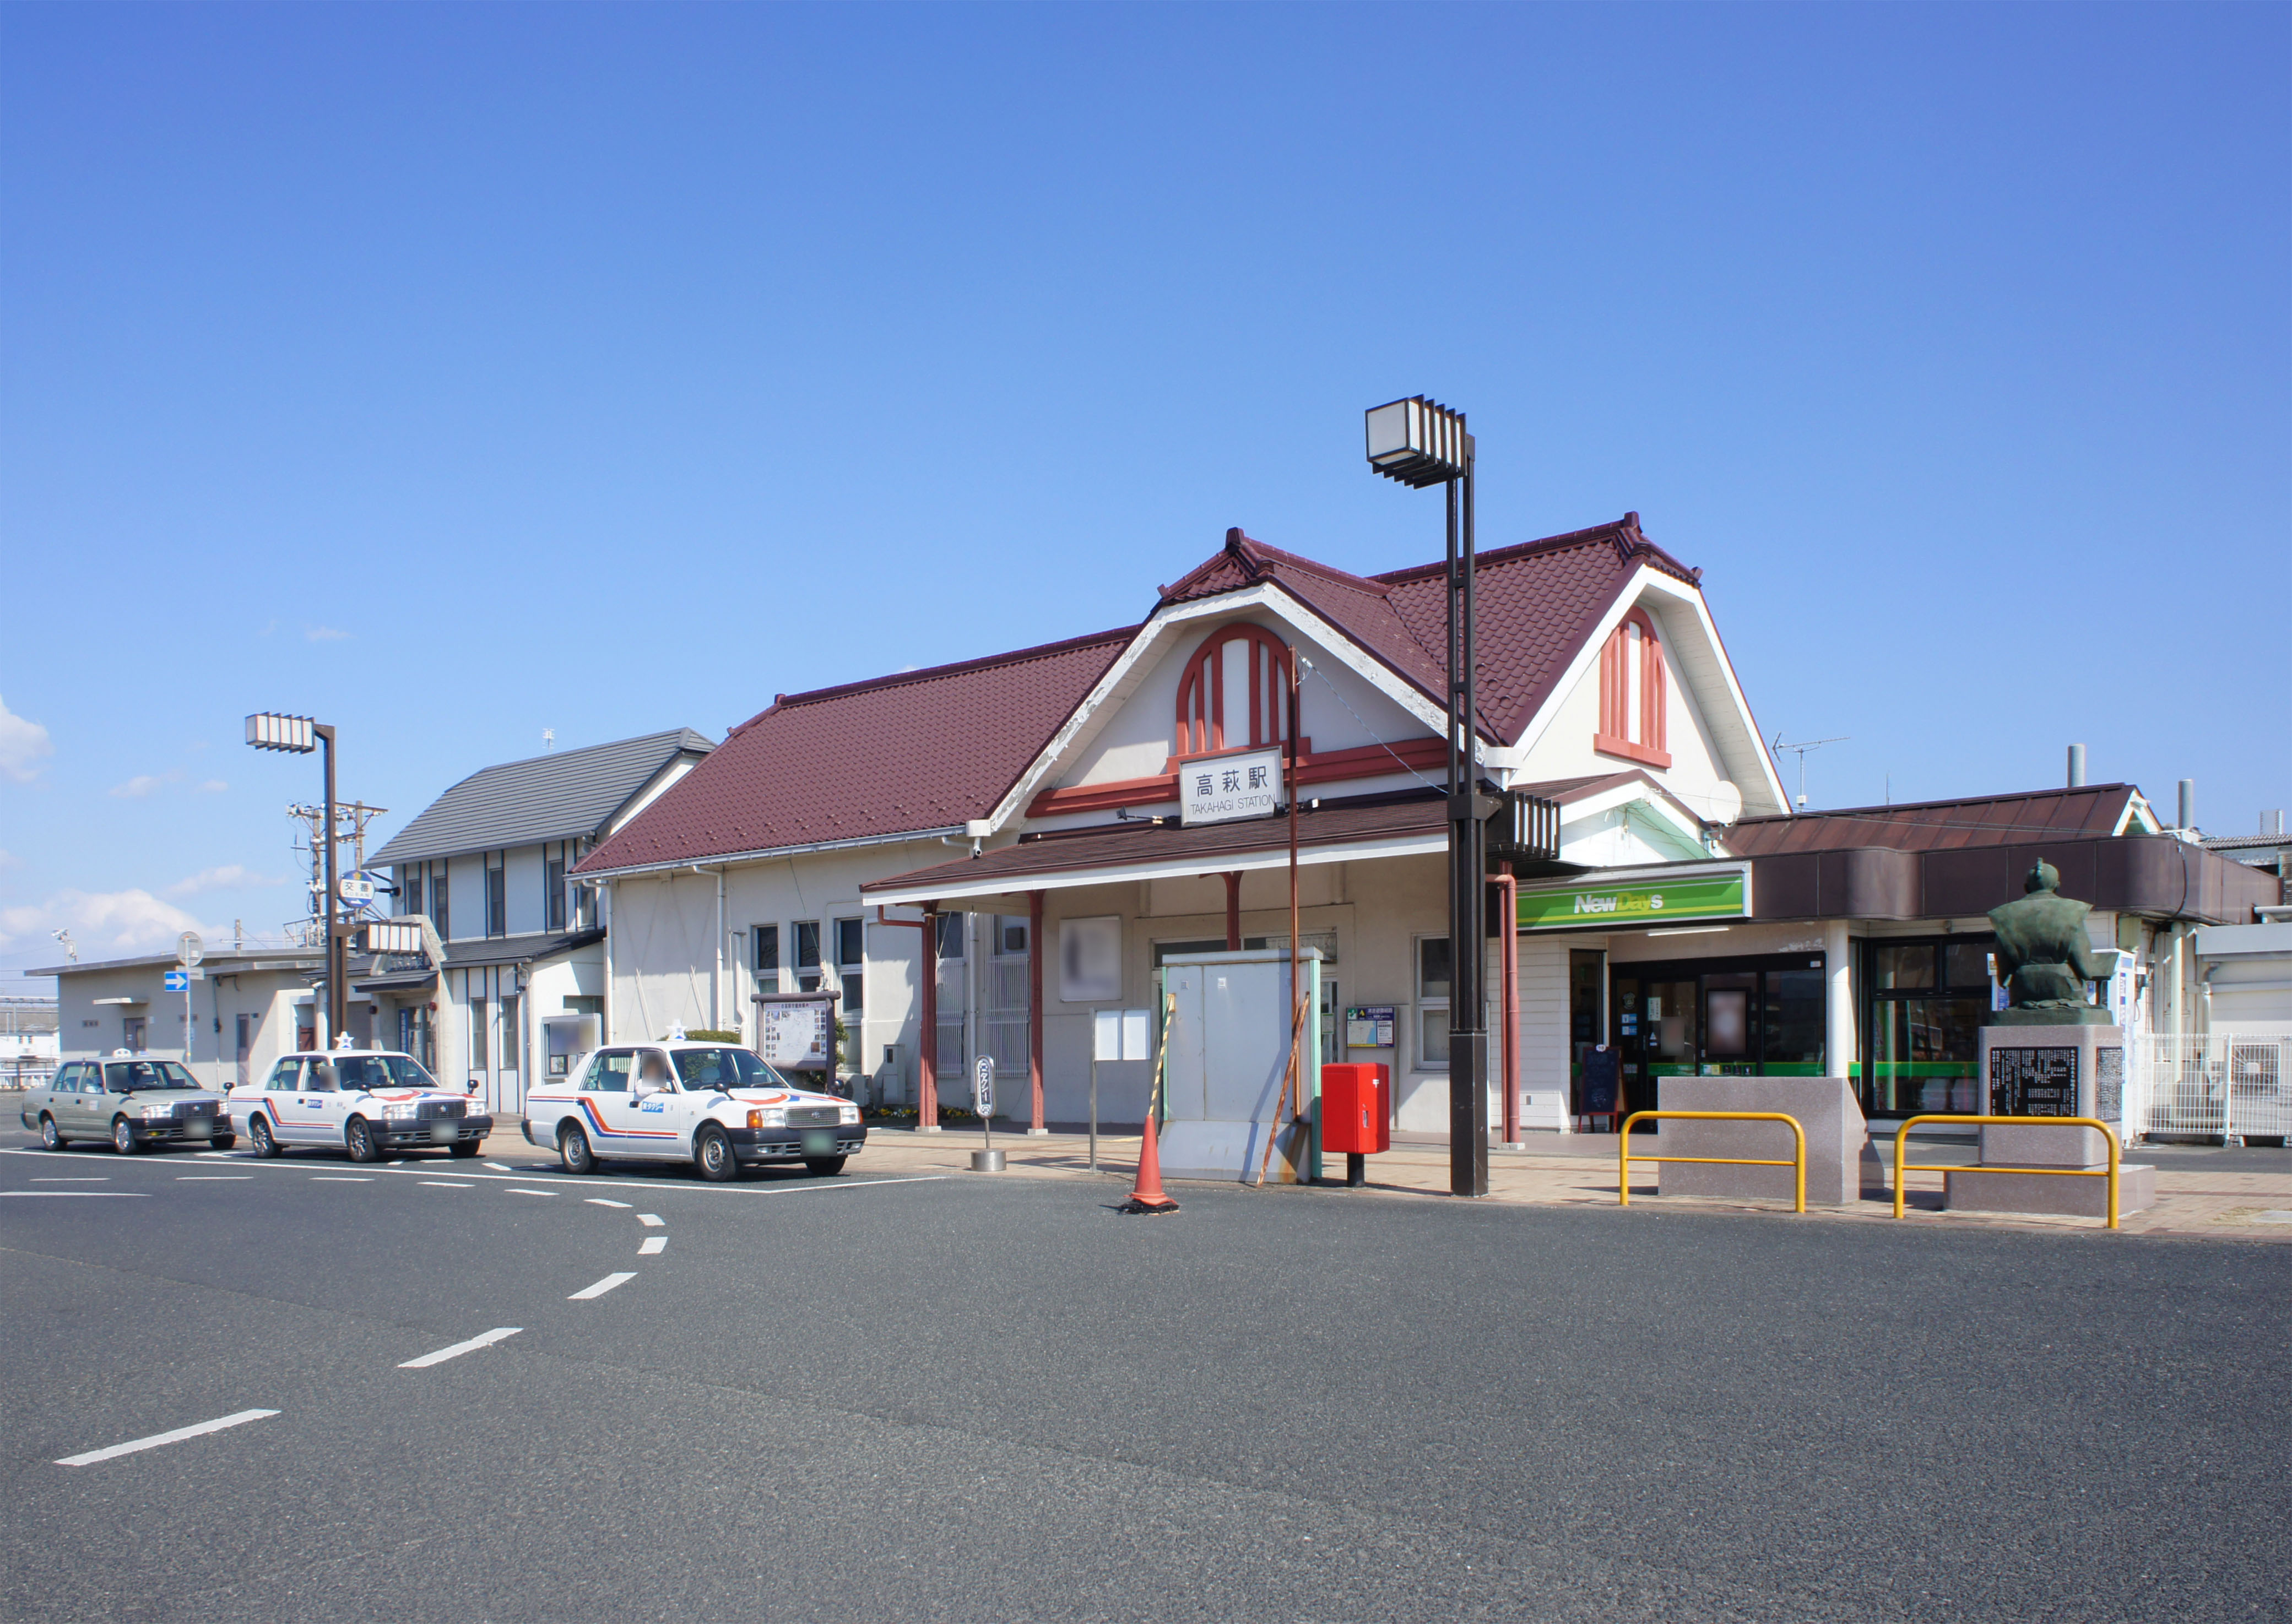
(716, 1105)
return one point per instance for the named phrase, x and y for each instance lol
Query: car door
(326, 1100)
(64, 1100)
(643, 1125)
(292, 1123)
(111, 1097)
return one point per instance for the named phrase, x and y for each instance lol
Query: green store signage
(1701, 896)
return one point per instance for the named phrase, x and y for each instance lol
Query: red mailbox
(1356, 1113)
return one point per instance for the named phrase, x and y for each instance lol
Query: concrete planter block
(1826, 1109)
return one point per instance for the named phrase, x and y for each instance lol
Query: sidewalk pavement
(1579, 1169)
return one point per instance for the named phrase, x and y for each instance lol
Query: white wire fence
(2209, 1085)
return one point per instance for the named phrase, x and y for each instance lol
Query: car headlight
(770, 1116)
(158, 1114)
(848, 1114)
(401, 1114)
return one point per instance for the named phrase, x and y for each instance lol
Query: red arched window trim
(1201, 693)
(1634, 732)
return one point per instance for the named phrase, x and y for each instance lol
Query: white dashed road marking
(513, 1190)
(157, 1439)
(471, 1346)
(340, 1179)
(650, 1220)
(441, 1184)
(213, 1178)
(599, 1201)
(602, 1287)
(100, 1179)
(498, 1168)
(654, 1245)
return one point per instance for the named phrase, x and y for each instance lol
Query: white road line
(498, 1168)
(441, 1184)
(90, 1194)
(340, 1179)
(513, 1190)
(157, 1439)
(213, 1178)
(602, 1287)
(599, 1201)
(653, 1246)
(498, 1334)
(98, 1178)
(650, 1220)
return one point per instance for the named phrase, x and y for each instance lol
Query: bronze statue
(2046, 957)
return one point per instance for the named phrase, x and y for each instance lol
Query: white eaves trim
(1704, 659)
(768, 853)
(1130, 667)
(1434, 842)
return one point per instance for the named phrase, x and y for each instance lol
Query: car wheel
(50, 1140)
(573, 1150)
(122, 1135)
(823, 1167)
(226, 1143)
(711, 1152)
(360, 1136)
(463, 1148)
(258, 1132)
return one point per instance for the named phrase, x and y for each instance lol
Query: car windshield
(703, 1069)
(127, 1076)
(354, 1073)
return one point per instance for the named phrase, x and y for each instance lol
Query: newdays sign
(1690, 897)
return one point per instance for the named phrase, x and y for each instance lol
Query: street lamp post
(1418, 443)
(300, 735)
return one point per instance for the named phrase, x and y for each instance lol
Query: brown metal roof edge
(1892, 809)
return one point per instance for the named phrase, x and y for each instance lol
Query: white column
(1838, 1035)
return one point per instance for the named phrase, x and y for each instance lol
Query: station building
(977, 857)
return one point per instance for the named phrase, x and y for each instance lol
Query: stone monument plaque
(2031, 1082)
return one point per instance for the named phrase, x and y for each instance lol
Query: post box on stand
(1357, 1113)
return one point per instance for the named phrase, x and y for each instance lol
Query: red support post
(1233, 912)
(927, 1046)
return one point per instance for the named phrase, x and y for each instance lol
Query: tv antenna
(1779, 747)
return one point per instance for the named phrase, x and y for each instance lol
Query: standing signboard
(795, 1032)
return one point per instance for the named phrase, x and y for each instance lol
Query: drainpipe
(1035, 1007)
(1508, 972)
(605, 917)
(1233, 912)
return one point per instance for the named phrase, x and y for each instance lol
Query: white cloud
(23, 745)
(102, 923)
(229, 876)
(9, 859)
(140, 787)
(325, 634)
(212, 786)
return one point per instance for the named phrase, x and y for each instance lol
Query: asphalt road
(983, 1398)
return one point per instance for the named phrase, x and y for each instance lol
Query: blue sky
(454, 373)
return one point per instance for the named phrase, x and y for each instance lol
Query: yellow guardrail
(1624, 1157)
(2108, 1133)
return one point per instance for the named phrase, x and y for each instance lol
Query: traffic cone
(1150, 1196)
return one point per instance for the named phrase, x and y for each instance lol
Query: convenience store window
(1923, 1004)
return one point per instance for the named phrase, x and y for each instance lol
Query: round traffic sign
(188, 949)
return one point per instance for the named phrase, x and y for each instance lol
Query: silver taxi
(130, 1100)
(366, 1101)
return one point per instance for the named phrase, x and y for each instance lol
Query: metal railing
(1797, 1164)
(2209, 1084)
(2108, 1133)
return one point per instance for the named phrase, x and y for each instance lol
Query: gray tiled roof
(556, 797)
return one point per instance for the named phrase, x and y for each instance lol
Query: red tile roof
(1934, 825)
(800, 773)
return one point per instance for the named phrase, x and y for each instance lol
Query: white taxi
(367, 1101)
(716, 1105)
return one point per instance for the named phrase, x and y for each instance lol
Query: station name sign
(1227, 789)
(1647, 903)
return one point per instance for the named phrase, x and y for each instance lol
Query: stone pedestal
(2051, 1071)
(1827, 1112)
(1975, 1189)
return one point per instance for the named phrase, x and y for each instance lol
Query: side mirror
(476, 1083)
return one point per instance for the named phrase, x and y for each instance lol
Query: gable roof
(563, 795)
(812, 770)
(2086, 811)
(1537, 602)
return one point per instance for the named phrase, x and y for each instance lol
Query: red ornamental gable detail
(1632, 711)
(1208, 718)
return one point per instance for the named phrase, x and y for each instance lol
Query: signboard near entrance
(795, 1032)
(1226, 789)
(1690, 897)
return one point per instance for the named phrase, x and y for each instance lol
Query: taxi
(133, 1101)
(368, 1102)
(716, 1105)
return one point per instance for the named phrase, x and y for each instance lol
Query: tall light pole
(300, 735)
(1418, 443)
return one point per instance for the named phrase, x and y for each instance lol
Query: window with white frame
(765, 956)
(807, 955)
(1432, 984)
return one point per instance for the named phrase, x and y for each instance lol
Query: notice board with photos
(797, 1031)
